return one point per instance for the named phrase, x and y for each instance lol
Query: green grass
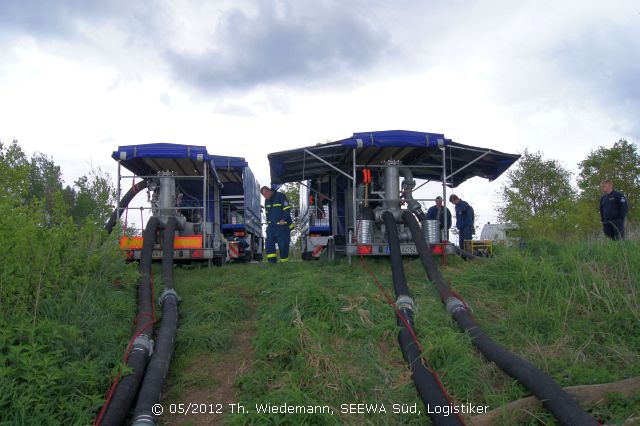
(324, 335)
(64, 333)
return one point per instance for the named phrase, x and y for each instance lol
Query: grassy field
(322, 334)
(312, 334)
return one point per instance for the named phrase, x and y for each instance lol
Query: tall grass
(66, 299)
(326, 336)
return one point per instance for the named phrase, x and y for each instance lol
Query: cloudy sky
(245, 78)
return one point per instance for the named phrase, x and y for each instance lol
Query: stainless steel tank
(366, 228)
(431, 231)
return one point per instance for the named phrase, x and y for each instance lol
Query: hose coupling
(405, 302)
(146, 419)
(453, 305)
(143, 343)
(168, 292)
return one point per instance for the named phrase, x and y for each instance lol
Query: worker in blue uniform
(438, 212)
(464, 219)
(279, 226)
(613, 209)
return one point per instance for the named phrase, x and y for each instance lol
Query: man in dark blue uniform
(464, 219)
(613, 209)
(278, 211)
(437, 212)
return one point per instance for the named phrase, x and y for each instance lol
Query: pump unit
(346, 187)
(215, 200)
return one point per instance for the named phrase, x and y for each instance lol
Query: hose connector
(143, 343)
(453, 305)
(168, 292)
(405, 302)
(146, 419)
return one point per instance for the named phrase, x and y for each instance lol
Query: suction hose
(159, 363)
(427, 384)
(552, 396)
(465, 254)
(408, 183)
(127, 388)
(124, 202)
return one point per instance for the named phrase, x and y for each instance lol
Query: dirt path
(220, 372)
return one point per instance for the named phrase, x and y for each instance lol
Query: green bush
(67, 301)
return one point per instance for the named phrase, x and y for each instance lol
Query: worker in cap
(438, 212)
(464, 219)
(279, 226)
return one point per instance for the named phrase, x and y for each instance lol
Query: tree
(621, 164)
(537, 196)
(93, 197)
(14, 172)
(45, 180)
(292, 191)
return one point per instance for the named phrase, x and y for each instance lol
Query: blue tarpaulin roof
(372, 148)
(186, 160)
(395, 138)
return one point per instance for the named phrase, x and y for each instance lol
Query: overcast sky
(246, 78)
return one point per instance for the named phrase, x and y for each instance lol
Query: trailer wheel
(331, 250)
(219, 261)
(303, 248)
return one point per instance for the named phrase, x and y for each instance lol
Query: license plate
(409, 249)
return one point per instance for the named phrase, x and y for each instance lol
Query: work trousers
(614, 229)
(280, 235)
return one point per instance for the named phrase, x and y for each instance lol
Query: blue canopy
(186, 160)
(372, 148)
(148, 159)
(395, 138)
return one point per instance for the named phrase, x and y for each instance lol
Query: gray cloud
(602, 61)
(280, 43)
(605, 65)
(63, 19)
(43, 18)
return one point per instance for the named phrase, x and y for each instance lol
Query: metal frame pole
(353, 191)
(204, 205)
(444, 191)
(118, 191)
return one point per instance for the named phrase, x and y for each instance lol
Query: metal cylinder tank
(431, 231)
(167, 199)
(366, 229)
(392, 184)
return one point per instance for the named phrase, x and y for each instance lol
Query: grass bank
(323, 335)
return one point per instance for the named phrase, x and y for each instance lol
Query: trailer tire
(303, 249)
(331, 250)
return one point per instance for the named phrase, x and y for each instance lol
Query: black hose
(367, 214)
(428, 386)
(124, 202)
(159, 363)
(167, 253)
(127, 388)
(399, 279)
(465, 254)
(552, 396)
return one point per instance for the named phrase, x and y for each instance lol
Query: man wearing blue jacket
(613, 209)
(278, 212)
(464, 219)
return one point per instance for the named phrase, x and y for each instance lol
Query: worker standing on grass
(613, 209)
(464, 219)
(438, 212)
(279, 224)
